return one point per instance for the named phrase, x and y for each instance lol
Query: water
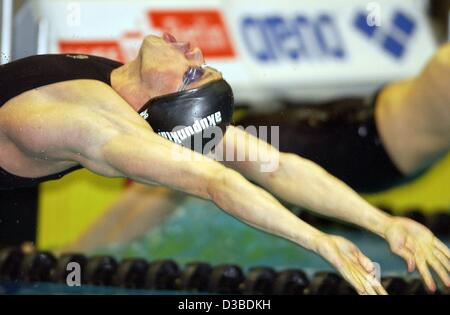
(199, 231)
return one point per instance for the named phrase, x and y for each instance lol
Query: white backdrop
(268, 50)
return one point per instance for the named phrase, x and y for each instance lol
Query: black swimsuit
(32, 72)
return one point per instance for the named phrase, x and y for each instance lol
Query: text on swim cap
(178, 136)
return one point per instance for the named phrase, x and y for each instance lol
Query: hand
(356, 268)
(419, 247)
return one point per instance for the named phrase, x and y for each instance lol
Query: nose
(195, 55)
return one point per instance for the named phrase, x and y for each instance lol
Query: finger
(411, 245)
(442, 247)
(366, 263)
(359, 281)
(354, 282)
(364, 278)
(367, 281)
(374, 282)
(439, 269)
(442, 259)
(408, 257)
(379, 288)
(425, 273)
(376, 285)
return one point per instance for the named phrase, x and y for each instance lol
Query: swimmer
(60, 113)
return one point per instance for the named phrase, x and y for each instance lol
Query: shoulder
(80, 94)
(67, 115)
(62, 96)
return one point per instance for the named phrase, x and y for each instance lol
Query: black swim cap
(196, 118)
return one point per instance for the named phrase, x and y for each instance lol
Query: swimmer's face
(166, 62)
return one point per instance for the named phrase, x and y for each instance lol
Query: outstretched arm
(129, 148)
(299, 181)
(304, 183)
(149, 158)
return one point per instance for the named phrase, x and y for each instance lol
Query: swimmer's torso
(34, 87)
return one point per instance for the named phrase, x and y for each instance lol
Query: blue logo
(276, 38)
(393, 40)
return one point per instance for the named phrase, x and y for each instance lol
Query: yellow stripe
(430, 192)
(68, 206)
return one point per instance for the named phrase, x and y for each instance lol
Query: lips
(183, 46)
(169, 38)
